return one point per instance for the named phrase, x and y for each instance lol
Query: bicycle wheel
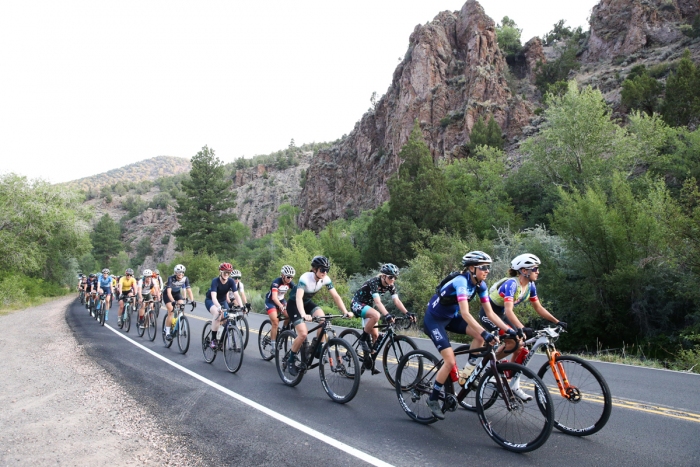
(243, 328)
(151, 325)
(267, 352)
(393, 353)
(527, 424)
(415, 376)
(140, 327)
(233, 348)
(338, 370)
(284, 347)
(587, 408)
(102, 313)
(209, 353)
(167, 343)
(156, 308)
(183, 335)
(126, 317)
(352, 337)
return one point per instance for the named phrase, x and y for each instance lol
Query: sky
(89, 86)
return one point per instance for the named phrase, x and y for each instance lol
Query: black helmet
(92, 276)
(320, 262)
(476, 257)
(389, 269)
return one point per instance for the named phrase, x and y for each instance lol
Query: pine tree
(485, 135)
(106, 241)
(682, 104)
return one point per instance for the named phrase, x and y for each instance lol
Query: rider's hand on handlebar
(387, 318)
(347, 314)
(562, 324)
(489, 338)
(247, 307)
(412, 317)
(307, 318)
(512, 332)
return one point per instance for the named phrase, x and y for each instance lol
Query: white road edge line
(303, 428)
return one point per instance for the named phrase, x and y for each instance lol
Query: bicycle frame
(489, 360)
(545, 339)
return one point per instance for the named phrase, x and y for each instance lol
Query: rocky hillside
(454, 72)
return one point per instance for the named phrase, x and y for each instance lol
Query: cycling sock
(167, 330)
(435, 395)
(365, 337)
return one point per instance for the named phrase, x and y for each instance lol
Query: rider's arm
(399, 304)
(474, 329)
(542, 311)
(494, 318)
(378, 305)
(300, 302)
(508, 307)
(237, 298)
(339, 302)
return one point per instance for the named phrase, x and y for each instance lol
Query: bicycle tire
(590, 405)
(183, 335)
(126, 317)
(415, 377)
(209, 353)
(233, 348)
(102, 313)
(243, 328)
(527, 425)
(337, 359)
(156, 308)
(267, 352)
(393, 353)
(352, 337)
(151, 325)
(284, 346)
(139, 330)
(167, 343)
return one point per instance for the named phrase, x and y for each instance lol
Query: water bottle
(454, 373)
(220, 333)
(465, 373)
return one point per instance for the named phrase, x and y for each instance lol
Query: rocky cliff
(453, 72)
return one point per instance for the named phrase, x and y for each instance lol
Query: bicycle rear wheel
(527, 424)
(243, 328)
(156, 308)
(352, 337)
(140, 327)
(151, 325)
(233, 348)
(209, 353)
(167, 343)
(415, 377)
(127, 318)
(284, 347)
(267, 352)
(102, 313)
(338, 370)
(393, 353)
(183, 335)
(588, 404)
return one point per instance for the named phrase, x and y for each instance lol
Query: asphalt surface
(224, 429)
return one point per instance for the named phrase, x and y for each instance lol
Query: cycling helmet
(225, 267)
(93, 275)
(105, 271)
(156, 272)
(389, 269)
(129, 272)
(476, 257)
(147, 273)
(526, 260)
(236, 274)
(320, 262)
(179, 269)
(288, 271)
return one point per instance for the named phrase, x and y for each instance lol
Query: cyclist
(173, 293)
(367, 304)
(104, 286)
(511, 291)
(90, 290)
(448, 310)
(82, 278)
(275, 301)
(217, 298)
(148, 290)
(302, 308)
(236, 276)
(125, 288)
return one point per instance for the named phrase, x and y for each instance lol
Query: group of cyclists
(447, 310)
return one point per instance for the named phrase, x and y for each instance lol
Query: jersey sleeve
(212, 287)
(460, 285)
(483, 292)
(507, 290)
(393, 292)
(232, 285)
(374, 287)
(533, 293)
(328, 283)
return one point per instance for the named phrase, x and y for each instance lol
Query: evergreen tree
(641, 92)
(508, 37)
(106, 241)
(682, 104)
(485, 135)
(206, 223)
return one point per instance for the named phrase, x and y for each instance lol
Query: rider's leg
(274, 322)
(371, 317)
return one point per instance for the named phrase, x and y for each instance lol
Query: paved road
(661, 427)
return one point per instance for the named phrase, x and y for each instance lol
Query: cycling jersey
(280, 288)
(221, 289)
(510, 290)
(147, 288)
(461, 288)
(310, 286)
(91, 284)
(105, 284)
(373, 288)
(175, 284)
(125, 284)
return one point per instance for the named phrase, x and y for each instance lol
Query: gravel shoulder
(59, 407)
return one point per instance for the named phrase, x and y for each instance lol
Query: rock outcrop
(622, 27)
(452, 74)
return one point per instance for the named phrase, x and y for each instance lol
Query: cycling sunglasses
(289, 277)
(390, 276)
(323, 270)
(535, 269)
(484, 267)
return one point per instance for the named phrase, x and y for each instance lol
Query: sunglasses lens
(391, 276)
(323, 269)
(289, 277)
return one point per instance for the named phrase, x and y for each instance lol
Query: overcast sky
(88, 86)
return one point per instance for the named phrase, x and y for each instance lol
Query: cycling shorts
(436, 328)
(176, 296)
(489, 325)
(146, 296)
(359, 309)
(107, 291)
(270, 305)
(208, 303)
(293, 312)
(124, 296)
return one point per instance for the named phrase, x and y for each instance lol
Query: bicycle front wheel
(102, 313)
(151, 325)
(127, 318)
(166, 342)
(415, 377)
(209, 353)
(183, 335)
(526, 424)
(140, 326)
(587, 405)
(243, 328)
(267, 352)
(394, 350)
(282, 351)
(352, 337)
(233, 348)
(338, 370)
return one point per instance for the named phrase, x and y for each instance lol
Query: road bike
(81, 297)
(239, 314)
(337, 361)
(229, 340)
(129, 305)
(395, 347)
(180, 329)
(91, 303)
(265, 347)
(149, 322)
(585, 403)
(516, 424)
(100, 312)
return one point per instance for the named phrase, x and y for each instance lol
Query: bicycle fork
(558, 372)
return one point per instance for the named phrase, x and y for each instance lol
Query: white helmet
(236, 274)
(147, 273)
(288, 271)
(179, 269)
(476, 257)
(526, 260)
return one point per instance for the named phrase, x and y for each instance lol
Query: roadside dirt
(60, 408)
